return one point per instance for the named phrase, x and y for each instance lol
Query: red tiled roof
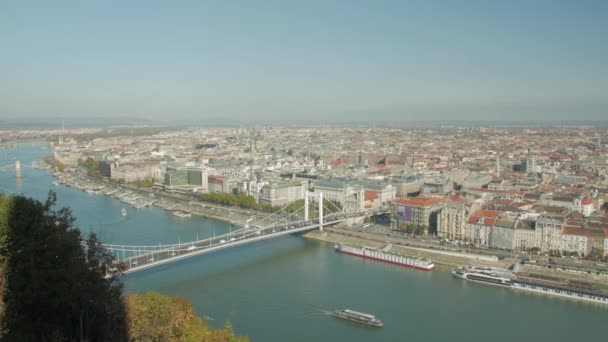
(456, 198)
(419, 202)
(490, 217)
(586, 201)
(573, 230)
(370, 195)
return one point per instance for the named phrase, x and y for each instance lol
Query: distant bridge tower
(320, 199)
(17, 168)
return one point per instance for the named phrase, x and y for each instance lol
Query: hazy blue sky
(313, 60)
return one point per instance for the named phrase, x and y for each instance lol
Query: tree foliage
(55, 289)
(145, 183)
(57, 286)
(154, 317)
(91, 165)
(54, 163)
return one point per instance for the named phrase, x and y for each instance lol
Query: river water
(280, 290)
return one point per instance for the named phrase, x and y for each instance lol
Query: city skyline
(312, 62)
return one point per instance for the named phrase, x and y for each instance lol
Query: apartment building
(452, 222)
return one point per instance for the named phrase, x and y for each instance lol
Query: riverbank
(446, 258)
(144, 197)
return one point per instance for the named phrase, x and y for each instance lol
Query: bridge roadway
(190, 249)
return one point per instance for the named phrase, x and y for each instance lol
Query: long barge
(368, 253)
(506, 278)
(561, 289)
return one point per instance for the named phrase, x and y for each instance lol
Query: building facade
(350, 195)
(574, 239)
(549, 232)
(192, 178)
(282, 193)
(452, 222)
(416, 211)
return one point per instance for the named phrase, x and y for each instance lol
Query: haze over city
(319, 61)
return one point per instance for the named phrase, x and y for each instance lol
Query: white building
(502, 235)
(350, 196)
(479, 227)
(452, 222)
(549, 232)
(574, 239)
(525, 236)
(283, 193)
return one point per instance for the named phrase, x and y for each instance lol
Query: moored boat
(535, 283)
(181, 213)
(578, 291)
(368, 253)
(488, 275)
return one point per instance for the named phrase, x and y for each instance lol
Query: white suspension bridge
(296, 217)
(312, 213)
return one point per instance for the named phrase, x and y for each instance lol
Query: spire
(497, 165)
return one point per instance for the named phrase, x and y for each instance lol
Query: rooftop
(419, 202)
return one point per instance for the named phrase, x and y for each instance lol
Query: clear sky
(307, 60)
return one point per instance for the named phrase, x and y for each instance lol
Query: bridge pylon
(17, 168)
(319, 197)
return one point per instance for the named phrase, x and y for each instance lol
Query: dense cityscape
(301, 171)
(534, 190)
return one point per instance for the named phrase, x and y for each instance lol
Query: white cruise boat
(488, 275)
(181, 213)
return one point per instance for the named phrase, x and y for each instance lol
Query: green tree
(55, 285)
(411, 228)
(54, 163)
(421, 230)
(145, 183)
(154, 317)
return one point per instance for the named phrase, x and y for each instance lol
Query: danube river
(280, 290)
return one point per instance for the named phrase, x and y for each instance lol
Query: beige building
(131, 174)
(525, 236)
(549, 231)
(349, 195)
(452, 222)
(283, 193)
(574, 239)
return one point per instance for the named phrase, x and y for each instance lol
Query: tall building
(186, 178)
(452, 222)
(106, 167)
(530, 164)
(549, 232)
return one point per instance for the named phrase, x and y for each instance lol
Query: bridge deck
(187, 250)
